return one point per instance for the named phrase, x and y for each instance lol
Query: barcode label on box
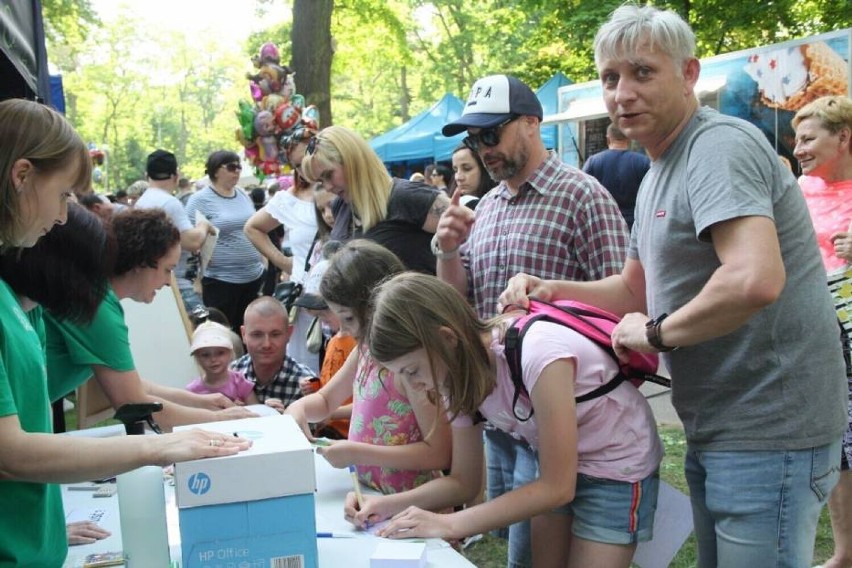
(295, 561)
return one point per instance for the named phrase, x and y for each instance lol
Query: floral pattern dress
(383, 416)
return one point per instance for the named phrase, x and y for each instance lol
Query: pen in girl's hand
(357, 485)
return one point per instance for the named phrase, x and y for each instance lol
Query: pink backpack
(593, 323)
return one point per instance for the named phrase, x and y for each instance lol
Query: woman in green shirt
(147, 248)
(42, 161)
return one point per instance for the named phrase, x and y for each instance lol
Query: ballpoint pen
(357, 485)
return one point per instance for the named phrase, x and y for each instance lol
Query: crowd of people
(390, 344)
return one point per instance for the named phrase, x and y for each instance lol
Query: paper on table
(93, 515)
(262, 410)
(209, 242)
(390, 554)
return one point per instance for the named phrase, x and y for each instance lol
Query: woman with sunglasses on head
(42, 163)
(235, 272)
(296, 210)
(398, 214)
(471, 177)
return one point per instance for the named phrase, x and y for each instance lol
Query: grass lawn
(491, 552)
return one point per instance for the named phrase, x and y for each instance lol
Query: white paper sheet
(209, 242)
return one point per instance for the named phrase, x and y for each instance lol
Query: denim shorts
(759, 508)
(511, 464)
(613, 512)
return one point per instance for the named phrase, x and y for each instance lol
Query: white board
(160, 338)
(672, 526)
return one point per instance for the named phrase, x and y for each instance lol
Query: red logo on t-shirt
(660, 213)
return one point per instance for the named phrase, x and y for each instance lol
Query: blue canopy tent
(420, 139)
(548, 96)
(57, 93)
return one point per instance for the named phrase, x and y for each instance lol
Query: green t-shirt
(73, 348)
(32, 526)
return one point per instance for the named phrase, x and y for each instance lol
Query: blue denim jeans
(511, 464)
(756, 508)
(191, 299)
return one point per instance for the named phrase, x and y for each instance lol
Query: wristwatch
(653, 335)
(441, 255)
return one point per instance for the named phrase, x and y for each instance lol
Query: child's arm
(463, 483)
(214, 401)
(341, 413)
(251, 398)
(122, 387)
(318, 406)
(433, 452)
(555, 412)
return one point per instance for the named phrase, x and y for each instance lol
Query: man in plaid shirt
(544, 218)
(266, 329)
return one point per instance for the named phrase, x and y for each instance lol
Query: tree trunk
(404, 95)
(312, 53)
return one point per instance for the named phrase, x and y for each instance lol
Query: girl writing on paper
(398, 439)
(597, 487)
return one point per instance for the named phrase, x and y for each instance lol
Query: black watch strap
(652, 333)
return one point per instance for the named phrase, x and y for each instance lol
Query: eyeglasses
(487, 137)
(233, 167)
(312, 145)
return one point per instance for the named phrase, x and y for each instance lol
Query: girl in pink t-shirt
(595, 496)
(398, 437)
(213, 351)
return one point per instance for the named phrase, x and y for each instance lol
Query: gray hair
(632, 27)
(137, 188)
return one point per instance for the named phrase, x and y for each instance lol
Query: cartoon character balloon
(277, 116)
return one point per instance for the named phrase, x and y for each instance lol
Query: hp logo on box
(199, 483)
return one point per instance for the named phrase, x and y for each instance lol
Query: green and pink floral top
(381, 415)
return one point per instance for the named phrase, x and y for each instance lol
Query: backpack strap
(603, 389)
(512, 342)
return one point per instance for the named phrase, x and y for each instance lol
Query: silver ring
(215, 443)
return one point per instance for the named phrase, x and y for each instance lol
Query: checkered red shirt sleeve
(562, 225)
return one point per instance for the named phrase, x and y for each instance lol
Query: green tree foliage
(67, 24)
(391, 60)
(131, 96)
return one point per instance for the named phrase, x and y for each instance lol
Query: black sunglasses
(312, 145)
(233, 167)
(488, 136)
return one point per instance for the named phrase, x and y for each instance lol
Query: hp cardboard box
(252, 509)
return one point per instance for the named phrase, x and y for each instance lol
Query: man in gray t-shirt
(724, 245)
(162, 172)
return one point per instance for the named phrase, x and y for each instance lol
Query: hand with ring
(194, 444)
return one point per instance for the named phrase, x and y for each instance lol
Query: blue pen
(335, 535)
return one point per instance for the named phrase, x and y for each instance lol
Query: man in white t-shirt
(162, 172)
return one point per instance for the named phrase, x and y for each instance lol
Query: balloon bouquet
(277, 118)
(97, 156)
